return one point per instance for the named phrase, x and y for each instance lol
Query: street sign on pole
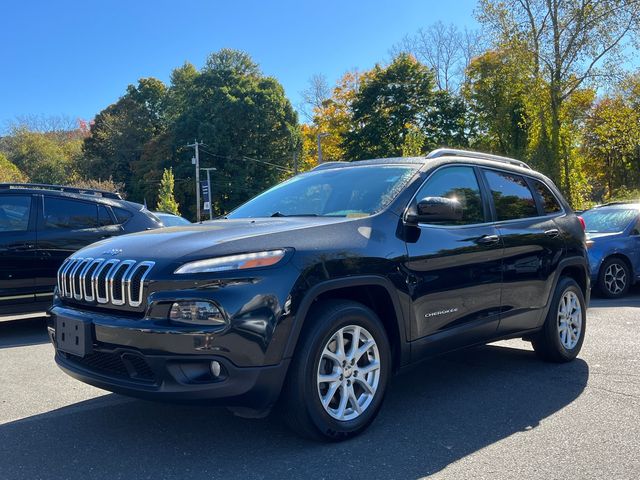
(209, 204)
(204, 188)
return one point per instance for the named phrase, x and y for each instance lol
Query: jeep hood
(215, 238)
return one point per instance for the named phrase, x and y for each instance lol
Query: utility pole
(320, 136)
(295, 163)
(208, 170)
(196, 162)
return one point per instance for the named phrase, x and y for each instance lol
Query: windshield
(172, 221)
(340, 192)
(608, 220)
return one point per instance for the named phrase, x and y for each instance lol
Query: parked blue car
(614, 256)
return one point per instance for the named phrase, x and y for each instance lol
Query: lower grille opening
(129, 366)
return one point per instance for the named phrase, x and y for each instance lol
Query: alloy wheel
(569, 320)
(615, 278)
(348, 373)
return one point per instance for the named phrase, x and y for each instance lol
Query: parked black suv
(41, 225)
(317, 290)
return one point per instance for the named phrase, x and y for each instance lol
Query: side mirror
(437, 209)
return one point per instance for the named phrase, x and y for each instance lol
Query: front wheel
(562, 334)
(339, 373)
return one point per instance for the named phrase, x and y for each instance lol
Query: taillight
(584, 225)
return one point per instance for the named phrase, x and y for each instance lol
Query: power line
(245, 158)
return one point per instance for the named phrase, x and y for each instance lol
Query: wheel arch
(575, 268)
(376, 293)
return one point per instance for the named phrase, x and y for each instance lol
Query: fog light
(216, 368)
(196, 313)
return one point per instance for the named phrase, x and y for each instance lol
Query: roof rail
(445, 152)
(61, 188)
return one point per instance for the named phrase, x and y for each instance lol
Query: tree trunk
(559, 162)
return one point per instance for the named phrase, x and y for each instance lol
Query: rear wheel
(615, 278)
(339, 373)
(562, 335)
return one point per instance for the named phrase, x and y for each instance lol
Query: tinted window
(549, 201)
(511, 196)
(456, 183)
(338, 192)
(61, 213)
(122, 215)
(104, 218)
(14, 213)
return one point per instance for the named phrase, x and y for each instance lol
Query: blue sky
(74, 58)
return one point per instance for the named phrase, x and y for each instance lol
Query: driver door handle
(488, 239)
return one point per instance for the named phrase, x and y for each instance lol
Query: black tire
(548, 344)
(300, 402)
(611, 287)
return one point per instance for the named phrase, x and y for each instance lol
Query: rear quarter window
(122, 215)
(550, 203)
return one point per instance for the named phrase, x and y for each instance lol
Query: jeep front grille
(103, 281)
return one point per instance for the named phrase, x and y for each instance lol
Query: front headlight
(233, 262)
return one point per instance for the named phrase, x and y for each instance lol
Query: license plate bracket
(74, 336)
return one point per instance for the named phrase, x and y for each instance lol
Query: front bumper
(163, 365)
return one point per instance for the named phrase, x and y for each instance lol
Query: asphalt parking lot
(491, 412)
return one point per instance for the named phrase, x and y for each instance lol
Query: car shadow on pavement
(19, 333)
(435, 414)
(632, 299)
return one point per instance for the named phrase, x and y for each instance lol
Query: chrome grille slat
(75, 279)
(66, 287)
(104, 281)
(61, 270)
(129, 282)
(89, 297)
(128, 265)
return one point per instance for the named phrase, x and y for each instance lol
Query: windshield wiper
(280, 214)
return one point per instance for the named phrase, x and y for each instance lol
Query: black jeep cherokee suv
(41, 225)
(320, 288)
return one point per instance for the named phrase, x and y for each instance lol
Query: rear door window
(14, 213)
(67, 214)
(511, 196)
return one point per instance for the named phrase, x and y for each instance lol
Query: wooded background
(545, 81)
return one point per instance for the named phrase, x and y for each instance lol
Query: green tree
(611, 145)
(390, 100)
(244, 119)
(9, 172)
(166, 201)
(496, 89)
(121, 131)
(447, 122)
(45, 157)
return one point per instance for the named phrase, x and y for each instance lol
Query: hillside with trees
(542, 80)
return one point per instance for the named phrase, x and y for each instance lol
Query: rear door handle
(554, 232)
(488, 239)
